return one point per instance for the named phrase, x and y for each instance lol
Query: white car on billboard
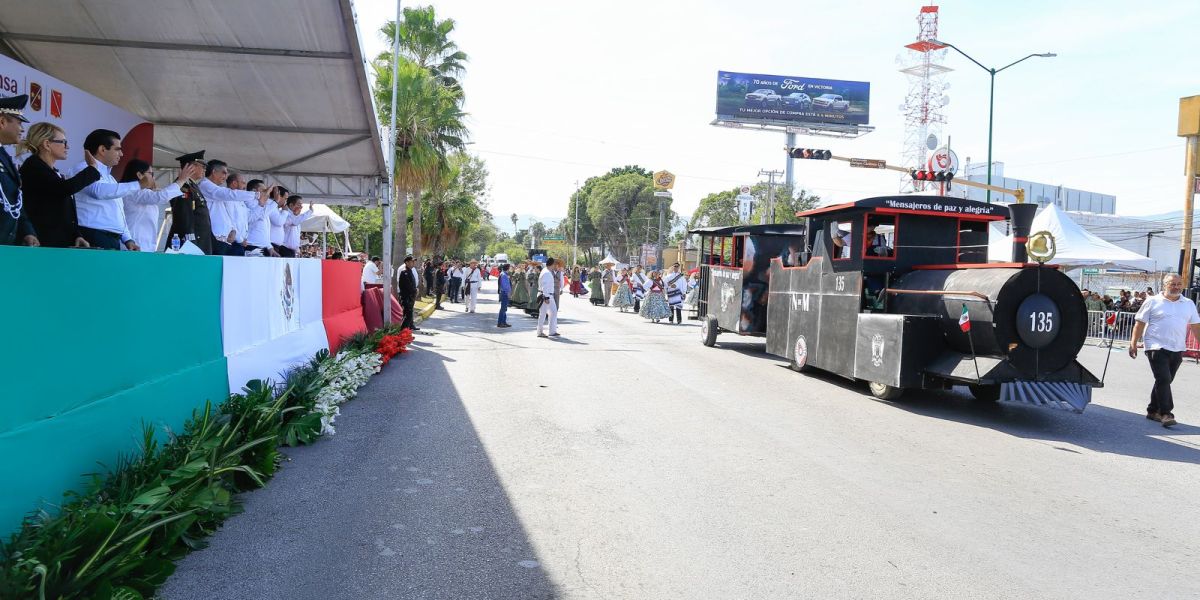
(830, 102)
(797, 101)
(763, 96)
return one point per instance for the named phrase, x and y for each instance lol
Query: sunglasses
(63, 142)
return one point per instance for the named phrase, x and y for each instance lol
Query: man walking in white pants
(548, 309)
(473, 280)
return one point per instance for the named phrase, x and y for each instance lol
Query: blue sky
(560, 91)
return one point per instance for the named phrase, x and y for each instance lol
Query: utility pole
(662, 225)
(769, 213)
(1149, 236)
(1189, 127)
(575, 245)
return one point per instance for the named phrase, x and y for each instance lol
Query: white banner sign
(76, 112)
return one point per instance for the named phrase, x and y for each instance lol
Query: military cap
(13, 106)
(187, 159)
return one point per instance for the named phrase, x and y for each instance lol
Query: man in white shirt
(99, 206)
(240, 212)
(548, 309)
(472, 279)
(224, 218)
(258, 222)
(291, 225)
(277, 214)
(144, 207)
(1164, 321)
(372, 275)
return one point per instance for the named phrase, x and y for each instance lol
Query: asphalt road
(626, 460)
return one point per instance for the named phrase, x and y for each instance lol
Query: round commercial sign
(745, 189)
(943, 159)
(1038, 321)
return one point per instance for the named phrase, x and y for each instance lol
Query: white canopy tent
(1075, 246)
(277, 89)
(325, 222)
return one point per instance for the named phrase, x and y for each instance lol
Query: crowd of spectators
(214, 208)
(1126, 301)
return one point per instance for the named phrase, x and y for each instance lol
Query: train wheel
(800, 355)
(884, 391)
(709, 330)
(985, 393)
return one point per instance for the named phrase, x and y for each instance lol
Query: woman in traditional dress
(624, 297)
(596, 286)
(693, 296)
(531, 282)
(654, 306)
(577, 282)
(520, 295)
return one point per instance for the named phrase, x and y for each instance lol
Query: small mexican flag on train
(964, 321)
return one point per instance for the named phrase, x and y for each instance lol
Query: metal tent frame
(276, 88)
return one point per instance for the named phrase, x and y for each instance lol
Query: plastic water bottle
(175, 242)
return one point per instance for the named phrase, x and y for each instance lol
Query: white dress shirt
(546, 283)
(473, 276)
(1167, 322)
(278, 218)
(370, 273)
(258, 225)
(225, 218)
(99, 206)
(143, 209)
(291, 228)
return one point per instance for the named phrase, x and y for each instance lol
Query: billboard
(76, 111)
(757, 98)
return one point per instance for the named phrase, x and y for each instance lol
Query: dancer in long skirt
(654, 305)
(624, 297)
(520, 293)
(693, 296)
(577, 282)
(596, 287)
(640, 283)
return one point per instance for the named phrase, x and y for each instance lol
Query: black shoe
(415, 328)
(1168, 419)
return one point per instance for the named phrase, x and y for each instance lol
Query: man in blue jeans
(505, 284)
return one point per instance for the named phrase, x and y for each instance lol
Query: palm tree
(452, 211)
(429, 126)
(514, 220)
(425, 42)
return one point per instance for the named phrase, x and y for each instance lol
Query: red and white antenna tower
(927, 85)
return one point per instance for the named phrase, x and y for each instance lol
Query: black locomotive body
(897, 291)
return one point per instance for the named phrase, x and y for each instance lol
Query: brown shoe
(1167, 419)
(1153, 416)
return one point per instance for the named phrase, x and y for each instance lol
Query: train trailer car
(897, 291)
(735, 267)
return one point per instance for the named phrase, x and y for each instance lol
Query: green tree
(429, 117)
(624, 211)
(455, 205)
(720, 208)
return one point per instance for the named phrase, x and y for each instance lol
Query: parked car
(763, 96)
(798, 101)
(830, 102)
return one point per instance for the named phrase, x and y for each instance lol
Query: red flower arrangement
(392, 345)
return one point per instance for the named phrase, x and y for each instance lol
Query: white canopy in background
(608, 258)
(1076, 247)
(324, 220)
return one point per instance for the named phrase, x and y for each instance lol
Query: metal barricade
(1100, 332)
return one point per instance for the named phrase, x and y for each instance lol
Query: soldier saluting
(15, 226)
(189, 211)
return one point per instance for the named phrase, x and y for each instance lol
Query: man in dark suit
(15, 226)
(408, 292)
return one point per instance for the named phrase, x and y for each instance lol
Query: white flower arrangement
(343, 375)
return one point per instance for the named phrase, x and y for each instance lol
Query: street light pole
(991, 97)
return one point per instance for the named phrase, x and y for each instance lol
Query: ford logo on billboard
(756, 98)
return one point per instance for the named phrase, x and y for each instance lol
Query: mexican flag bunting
(964, 321)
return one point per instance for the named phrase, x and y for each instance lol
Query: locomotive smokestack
(1022, 222)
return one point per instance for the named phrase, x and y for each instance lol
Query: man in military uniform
(189, 212)
(15, 226)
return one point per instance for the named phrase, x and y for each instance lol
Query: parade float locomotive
(897, 291)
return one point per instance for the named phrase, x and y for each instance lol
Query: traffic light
(809, 153)
(941, 176)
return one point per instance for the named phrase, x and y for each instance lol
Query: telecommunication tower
(927, 85)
